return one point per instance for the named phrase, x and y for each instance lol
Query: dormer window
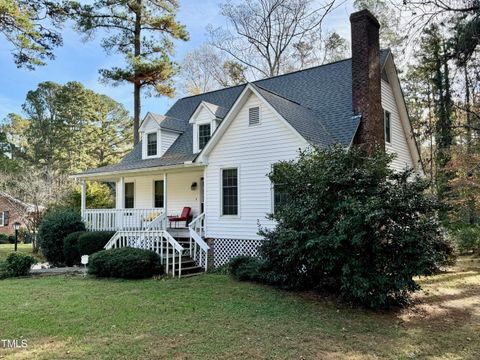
(204, 134)
(152, 144)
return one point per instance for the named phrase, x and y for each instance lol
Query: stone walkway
(58, 271)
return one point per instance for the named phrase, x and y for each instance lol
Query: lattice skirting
(225, 249)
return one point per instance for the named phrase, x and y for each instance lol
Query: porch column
(83, 197)
(120, 203)
(165, 198)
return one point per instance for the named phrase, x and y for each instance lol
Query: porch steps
(189, 267)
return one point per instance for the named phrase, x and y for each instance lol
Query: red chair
(184, 217)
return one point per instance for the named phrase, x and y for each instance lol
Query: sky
(80, 61)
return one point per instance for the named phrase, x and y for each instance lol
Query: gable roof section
(317, 102)
(307, 122)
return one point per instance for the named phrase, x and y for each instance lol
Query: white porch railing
(161, 242)
(198, 247)
(123, 219)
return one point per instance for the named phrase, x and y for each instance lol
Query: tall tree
(206, 68)
(265, 32)
(67, 128)
(141, 30)
(31, 27)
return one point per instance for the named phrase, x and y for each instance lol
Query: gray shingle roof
(317, 102)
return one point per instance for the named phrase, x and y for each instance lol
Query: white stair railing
(198, 247)
(160, 242)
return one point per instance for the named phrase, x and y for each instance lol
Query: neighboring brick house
(9, 213)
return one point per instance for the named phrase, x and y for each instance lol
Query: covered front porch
(148, 200)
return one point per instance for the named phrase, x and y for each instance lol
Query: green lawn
(6, 249)
(214, 317)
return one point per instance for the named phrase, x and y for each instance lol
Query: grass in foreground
(212, 316)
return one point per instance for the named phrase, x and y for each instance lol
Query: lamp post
(16, 226)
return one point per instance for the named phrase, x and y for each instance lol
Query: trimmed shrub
(126, 263)
(70, 248)
(93, 241)
(53, 230)
(16, 264)
(245, 268)
(353, 225)
(467, 239)
(11, 239)
(4, 239)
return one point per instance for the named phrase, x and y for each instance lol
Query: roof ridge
(276, 76)
(277, 94)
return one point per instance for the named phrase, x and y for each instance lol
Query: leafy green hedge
(353, 224)
(245, 268)
(53, 230)
(70, 248)
(91, 242)
(4, 239)
(126, 263)
(16, 264)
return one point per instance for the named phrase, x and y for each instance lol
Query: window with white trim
(152, 144)
(388, 126)
(204, 133)
(158, 194)
(230, 191)
(254, 116)
(129, 195)
(4, 217)
(279, 194)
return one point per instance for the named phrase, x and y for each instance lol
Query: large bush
(16, 264)
(352, 224)
(245, 268)
(70, 248)
(54, 228)
(4, 239)
(127, 263)
(93, 241)
(468, 239)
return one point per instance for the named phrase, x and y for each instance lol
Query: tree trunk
(136, 84)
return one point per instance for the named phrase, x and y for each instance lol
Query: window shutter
(6, 217)
(254, 116)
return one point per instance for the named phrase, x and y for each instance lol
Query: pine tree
(141, 30)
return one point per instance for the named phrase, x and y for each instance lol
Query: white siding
(179, 192)
(398, 143)
(252, 149)
(150, 125)
(167, 139)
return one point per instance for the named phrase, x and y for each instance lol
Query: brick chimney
(366, 81)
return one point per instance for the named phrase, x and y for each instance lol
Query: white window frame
(237, 167)
(259, 116)
(134, 193)
(145, 145)
(2, 218)
(153, 192)
(385, 112)
(196, 133)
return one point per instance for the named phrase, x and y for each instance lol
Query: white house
(212, 152)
